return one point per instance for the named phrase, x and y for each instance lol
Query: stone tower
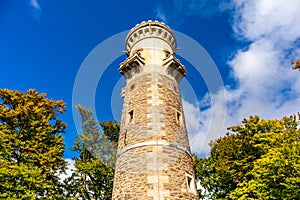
(154, 159)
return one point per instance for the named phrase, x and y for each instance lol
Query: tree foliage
(296, 64)
(111, 130)
(93, 176)
(259, 159)
(31, 146)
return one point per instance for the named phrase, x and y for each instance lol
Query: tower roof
(150, 29)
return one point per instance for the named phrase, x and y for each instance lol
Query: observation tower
(154, 160)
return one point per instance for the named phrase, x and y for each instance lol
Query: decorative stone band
(154, 143)
(150, 29)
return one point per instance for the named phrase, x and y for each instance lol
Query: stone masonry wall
(155, 101)
(152, 111)
(150, 172)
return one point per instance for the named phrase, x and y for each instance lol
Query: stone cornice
(131, 62)
(175, 63)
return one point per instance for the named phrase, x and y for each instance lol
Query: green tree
(111, 130)
(31, 145)
(93, 176)
(259, 159)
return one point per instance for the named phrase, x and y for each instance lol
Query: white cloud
(206, 125)
(161, 14)
(258, 70)
(69, 171)
(265, 85)
(36, 9)
(277, 20)
(35, 4)
(263, 70)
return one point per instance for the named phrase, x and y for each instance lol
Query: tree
(296, 64)
(111, 130)
(93, 177)
(276, 174)
(31, 145)
(259, 159)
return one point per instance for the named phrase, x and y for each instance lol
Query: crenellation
(150, 30)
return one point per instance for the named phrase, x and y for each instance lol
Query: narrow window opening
(190, 183)
(125, 135)
(130, 116)
(178, 117)
(132, 87)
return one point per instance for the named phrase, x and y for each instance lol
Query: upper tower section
(148, 35)
(150, 47)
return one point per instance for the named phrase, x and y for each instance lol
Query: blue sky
(43, 44)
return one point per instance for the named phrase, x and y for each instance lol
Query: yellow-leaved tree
(31, 145)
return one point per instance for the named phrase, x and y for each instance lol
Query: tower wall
(154, 159)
